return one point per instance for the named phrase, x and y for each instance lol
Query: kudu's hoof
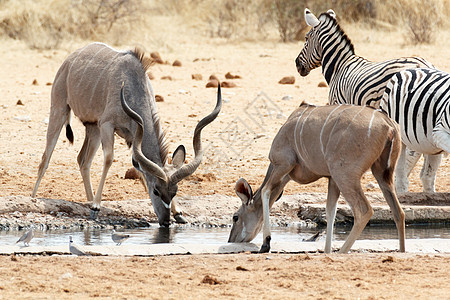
(180, 219)
(94, 213)
(266, 246)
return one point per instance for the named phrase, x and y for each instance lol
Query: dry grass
(45, 24)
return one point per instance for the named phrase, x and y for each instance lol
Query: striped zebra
(352, 79)
(419, 101)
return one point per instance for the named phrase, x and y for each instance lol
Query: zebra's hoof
(180, 219)
(94, 213)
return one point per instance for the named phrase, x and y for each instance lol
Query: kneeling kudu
(89, 83)
(337, 142)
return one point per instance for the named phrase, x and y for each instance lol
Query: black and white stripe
(352, 79)
(419, 101)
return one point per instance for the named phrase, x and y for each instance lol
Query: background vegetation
(44, 24)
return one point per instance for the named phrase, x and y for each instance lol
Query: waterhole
(214, 235)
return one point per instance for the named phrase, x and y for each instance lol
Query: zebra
(419, 101)
(352, 79)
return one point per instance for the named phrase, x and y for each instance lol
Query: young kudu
(89, 83)
(337, 142)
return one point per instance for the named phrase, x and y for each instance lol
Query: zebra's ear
(332, 13)
(310, 18)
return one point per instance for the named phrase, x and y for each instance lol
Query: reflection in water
(202, 235)
(162, 235)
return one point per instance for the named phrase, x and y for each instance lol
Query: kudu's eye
(235, 218)
(156, 193)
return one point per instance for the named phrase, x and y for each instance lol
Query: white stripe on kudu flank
(89, 63)
(323, 127)
(335, 123)
(370, 123)
(100, 75)
(295, 135)
(301, 132)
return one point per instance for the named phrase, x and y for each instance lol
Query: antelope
(339, 142)
(110, 92)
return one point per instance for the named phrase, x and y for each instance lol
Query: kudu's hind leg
(384, 178)
(107, 139)
(362, 211)
(57, 119)
(86, 155)
(332, 198)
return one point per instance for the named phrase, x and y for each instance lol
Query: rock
(230, 76)
(166, 78)
(287, 98)
(177, 63)
(19, 102)
(197, 76)
(213, 77)
(35, 82)
(287, 80)
(150, 75)
(322, 84)
(212, 84)
(159, 98)
(49, 83)
(228, 84)
(132, 173)
(156, 58)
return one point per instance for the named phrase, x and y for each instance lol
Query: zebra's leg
(429, 171)
(406, 163)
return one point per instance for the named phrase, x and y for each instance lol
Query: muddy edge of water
(20, 212)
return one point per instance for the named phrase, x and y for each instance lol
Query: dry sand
(237, 144)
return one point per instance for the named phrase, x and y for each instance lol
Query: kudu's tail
(69, 132)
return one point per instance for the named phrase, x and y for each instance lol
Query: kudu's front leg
(177, 213)
(269, 193)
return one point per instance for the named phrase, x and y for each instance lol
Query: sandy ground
(243, 276)
(236, 144)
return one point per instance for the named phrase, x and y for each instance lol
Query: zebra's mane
(146, 62)
(339, 29)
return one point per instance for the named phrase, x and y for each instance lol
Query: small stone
(132, 173)
(159, 98)
(35, 82)
(150, 75)
(19, 102)
(231, 76)
(228, 84)
(212, 84)
(213, 77)
(322, 84)
(177, 63)
(287, 98)
(155, 55)
(166, 78)
(49, 83)
(287, 80)
(197, 76)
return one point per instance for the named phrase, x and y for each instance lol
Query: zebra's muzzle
(301, 68)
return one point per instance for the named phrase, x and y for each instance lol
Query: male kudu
(89, 83)
(338, 142)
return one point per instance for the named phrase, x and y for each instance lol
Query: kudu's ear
(244, 191)
(310, 18)
(178, 157)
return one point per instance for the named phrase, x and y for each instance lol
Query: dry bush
(422, 20)
(44, 24)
